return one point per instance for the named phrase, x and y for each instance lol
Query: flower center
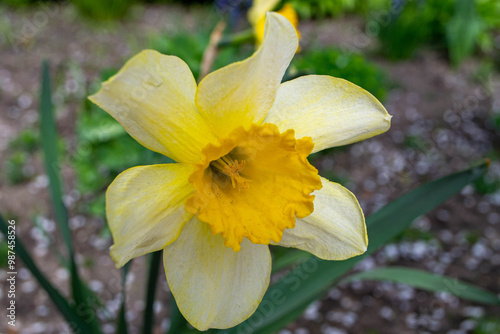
(231, 168)
(254, 184)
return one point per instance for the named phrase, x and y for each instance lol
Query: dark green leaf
(290, 257)
(68, 311)
(310, 279)
(462, 30)
(178, 324)
(121, 326)
(154, 266)
(428, 281)
(81, 294)
(49, 148)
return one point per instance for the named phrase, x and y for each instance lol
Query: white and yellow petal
(333, 111)
(152, 97)
(242, 93)
(215, 287)
(145, 209)
(336, 229)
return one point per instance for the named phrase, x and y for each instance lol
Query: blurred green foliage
(20, 155)
(460, 26)
(462, 31)
(333, 8)
(190, 47)
(472, 237)
(496, 121)
(18, 3)
(28, 141)
(102, 10)
(414, 234)
(350, 66)
(417, 143)
(457, 26)
(487, 184)
(408, 26)
(15, 168)
(487, 326)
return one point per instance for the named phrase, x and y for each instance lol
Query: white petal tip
(388, 117)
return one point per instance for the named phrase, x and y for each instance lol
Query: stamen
(232, 168)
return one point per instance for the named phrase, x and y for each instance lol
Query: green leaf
(121, 326)
(68, 311)
(154, 266)
(311, 279)
(428, 281)
(178, 324)
(81, 294)
(289, 257)
(463, 30)
(49, 148)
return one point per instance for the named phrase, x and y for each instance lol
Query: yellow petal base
(253, 184)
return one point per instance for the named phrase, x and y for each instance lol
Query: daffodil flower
(242, 180)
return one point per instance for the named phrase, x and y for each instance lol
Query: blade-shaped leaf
(121, 326)
(178, 324)
(49, 148)
(78, 324)
(313, 277)
(79, 290)
(462, 30)
(289, 257)
(154, 266)
(427, 281)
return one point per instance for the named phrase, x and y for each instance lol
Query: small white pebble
(285, 331)
(96, 285)
(479, 250)
(483, 207)
(38, 327)
(157, 307)
(333, 330)
(495, 260)
(473, 311)
(24, 274)
(42, 310)
(456, 331)
(443, 215)
(108, 328)
(349, 319)
(468, 325)
(335, 294)
(493, 218)
(301, 331)
(386, 312)
(28, 287)
(62, 274)
(469, 202)
(445, 235)
(411, 320)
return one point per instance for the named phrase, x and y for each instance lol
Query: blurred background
(434, 64)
